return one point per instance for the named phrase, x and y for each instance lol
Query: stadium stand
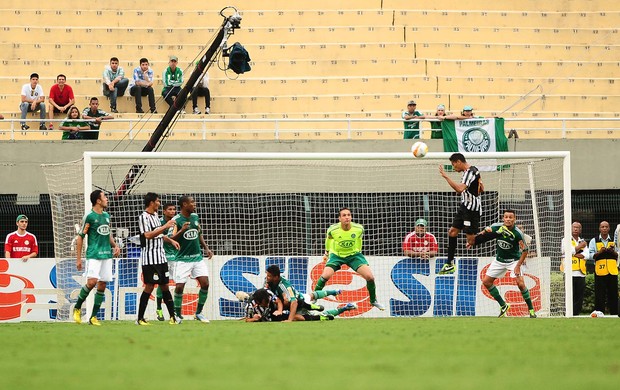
(336, 59)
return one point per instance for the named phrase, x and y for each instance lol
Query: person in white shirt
(33, 99)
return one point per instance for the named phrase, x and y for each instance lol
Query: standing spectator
(412, 128)
(114, 82)
(202, 89)
(142, 85)
(73, 125)
(21, 244)
(93, 112)
(604, 253)
(61, 97)
(33, 99)
(436, 126)
(580, 253)
(420, 243)
(173, 80)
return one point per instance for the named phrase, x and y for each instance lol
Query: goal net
(258, 209)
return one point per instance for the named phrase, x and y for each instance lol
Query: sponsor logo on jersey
(347, 244)
(504, 244)
(103, 230)
(191, 234)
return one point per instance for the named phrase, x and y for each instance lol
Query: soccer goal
(258, 209)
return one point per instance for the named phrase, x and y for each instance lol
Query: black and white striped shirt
(252, 307)
(470, 198)
(153, 249)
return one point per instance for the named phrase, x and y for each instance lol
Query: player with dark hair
(170, 210)
(153, 257)
(343, 246)
(188, 233)
(467, 218)
(298, 304)
(511, 254)
(101, 248)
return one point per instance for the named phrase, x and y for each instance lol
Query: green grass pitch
(397, 353)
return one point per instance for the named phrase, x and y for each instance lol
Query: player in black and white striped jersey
(153, 256)
(467, 217)
(260, 305)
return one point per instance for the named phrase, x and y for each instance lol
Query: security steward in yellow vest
(603, 252)
(580, 253)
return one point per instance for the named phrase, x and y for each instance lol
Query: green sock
(320, 294)
(495, 294)
(178, 302)
(526, 297)
(320, 284)
(372, 291)
(335, 312)
(202, 298)
(82, 297)
(158, 297)
(99, 296)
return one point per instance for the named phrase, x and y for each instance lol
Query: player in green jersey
(169, 211)
(343, 246)
(101, 247)
(298, 304)
(510, 256)
(189, 260)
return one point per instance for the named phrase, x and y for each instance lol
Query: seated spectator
(93, 112)
(142, 85)
(33, 99)
(419, 243)
(173, 80)
(73, 125)
(114, 82)
(21, 244)
(61, 97)
(202, 89)
(412, 128)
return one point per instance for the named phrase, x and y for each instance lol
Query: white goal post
(274, 208)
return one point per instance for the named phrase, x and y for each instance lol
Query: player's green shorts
(354, 261)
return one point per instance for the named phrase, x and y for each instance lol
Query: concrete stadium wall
(593, 162)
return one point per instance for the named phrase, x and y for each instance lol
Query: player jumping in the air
(467, 218)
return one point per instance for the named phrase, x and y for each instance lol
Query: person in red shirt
(61, 97)
(419, 243)
(21, 244)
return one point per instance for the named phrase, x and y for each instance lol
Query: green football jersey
(99, 247)
(285, 291)
(189, 241)
(507, 242)
(171, 251)
(344, 243)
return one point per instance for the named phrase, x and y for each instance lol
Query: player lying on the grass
(292, 300)
(511, 253)
(261, 305)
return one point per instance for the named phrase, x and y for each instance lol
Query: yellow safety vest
(578, 264)
(605, 266)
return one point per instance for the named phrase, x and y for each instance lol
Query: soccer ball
(419, 149)
(597, 314)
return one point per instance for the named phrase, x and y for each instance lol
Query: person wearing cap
(21, 244)
(420, 243)
(436, 126)
(412, 128)
(173, 80)
(142, 85)
(467, 113)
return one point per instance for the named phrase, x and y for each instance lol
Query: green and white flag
(476, 135)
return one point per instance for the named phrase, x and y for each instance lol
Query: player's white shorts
(183, 270)
(99, 269)
(172, 265)
(497, 269)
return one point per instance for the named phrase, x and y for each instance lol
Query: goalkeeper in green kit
(343, 246)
